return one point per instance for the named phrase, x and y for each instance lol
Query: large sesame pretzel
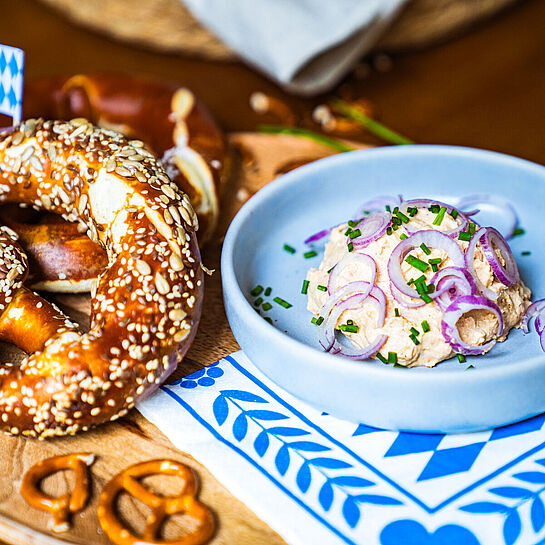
(146, 304)
(63, 506)
(166, 117)
(161, 507)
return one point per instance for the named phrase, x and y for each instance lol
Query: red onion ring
(372, 228)
(432, 239)
(321, 234)
(537, 308)
(403, 300)
(450, 283)
(505, 209)
(470, 264)
(377, 298)
(508, 274)
(361, 288)
(462, 305)
(351, 258)
(426, 203)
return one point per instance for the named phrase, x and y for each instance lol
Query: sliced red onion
(450, 283)
(372, 228)
(426, 203)
(491, 243)
(377, 298)
(463, 305)
(353, 258)
(361, 288)
(403, 300)
(470, 264)
(505, 209)
(432, 239)
(378, 204)
(321, 234)
(537, 308)
(542, 340)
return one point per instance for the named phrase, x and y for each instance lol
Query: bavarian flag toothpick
(12, 60)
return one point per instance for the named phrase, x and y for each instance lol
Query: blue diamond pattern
(13, 66)
(411, 443)
(362, 429)
(2, 93)
(12, 98)
(526, 426)
(3, 62)
(451, 460)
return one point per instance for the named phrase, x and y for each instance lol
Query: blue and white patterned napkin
(317, 479)
(11, 82)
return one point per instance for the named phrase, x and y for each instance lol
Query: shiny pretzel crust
(147, 302)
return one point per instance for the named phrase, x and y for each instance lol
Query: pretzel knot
(161, 507)
(146, 303)
(63, 506)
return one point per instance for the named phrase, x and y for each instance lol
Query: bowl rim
(330, 362)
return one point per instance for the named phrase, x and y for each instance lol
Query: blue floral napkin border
(317, 479)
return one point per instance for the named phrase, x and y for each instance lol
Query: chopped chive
(526, 252)
(403, 236)
(396, 221)
(425, 326)
(396, 209)
(454, 213)
(388, 208)
(412, 211)
(256, 291)
(267, 319)
(310, 254)
(471, 228)
(434, 267)
(420, 279)
(349, 328)
(426, 298)
(281, 302)
(470, 367)
(289, 249)
(392, 357)
(425, 249)
(402, 217)
(266, 306)
(354, 223)
(395, 227)
(389, 231)
(440, 215)
(434, 208)
(350, 247)
(350, 322)
(435, 261)
(268, 291)
(414, 340)
(354, 234)
(518, 231)
(347, 232)
(329, 271)
(317, 321)
(421, 288)
(321, 288)
(396, 312)
(430, 288)
(461, 358)
(258, 301)
(381, 357)
(411, 281)
(464, 236)
(417, 263)
(304, 289)
(414, 331)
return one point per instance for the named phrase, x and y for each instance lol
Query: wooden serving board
(257, 160)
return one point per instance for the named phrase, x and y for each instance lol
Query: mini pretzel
(161, 506)
(173, 125)
(63, 506)
(146, 305)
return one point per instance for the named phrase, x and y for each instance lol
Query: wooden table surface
(484, 89)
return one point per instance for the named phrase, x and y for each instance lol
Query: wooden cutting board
(258, 159)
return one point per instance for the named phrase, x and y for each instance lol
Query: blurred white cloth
(307, 46)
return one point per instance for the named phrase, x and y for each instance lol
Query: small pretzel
(63, 506)
(161, 506)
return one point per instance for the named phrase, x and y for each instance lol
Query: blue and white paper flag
(316, 479)
(12, 61)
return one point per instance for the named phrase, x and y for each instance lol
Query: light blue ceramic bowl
(507, 384)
